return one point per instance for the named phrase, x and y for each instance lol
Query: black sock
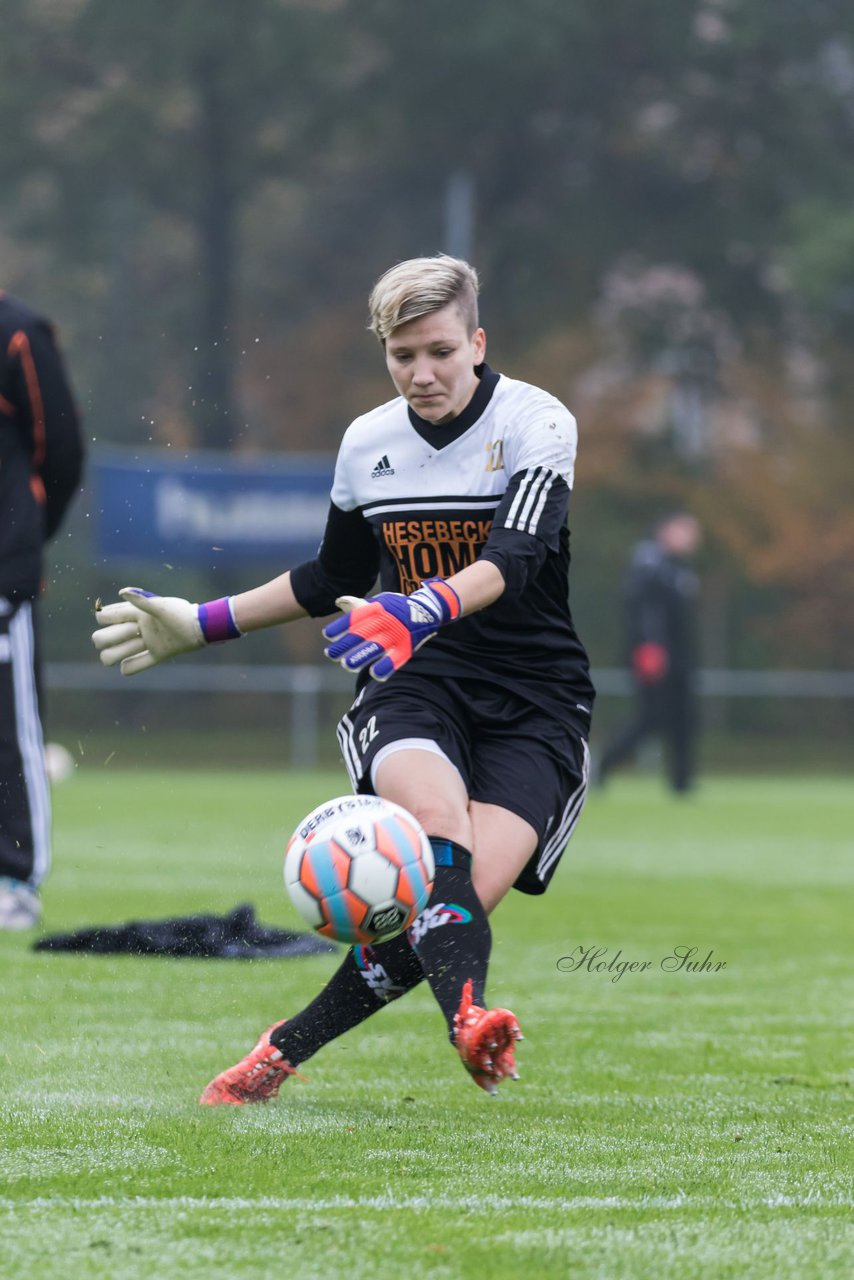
(367, 980)
(452, 937)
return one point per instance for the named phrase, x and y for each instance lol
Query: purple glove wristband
(217, 621)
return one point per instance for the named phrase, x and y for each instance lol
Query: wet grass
(670, 1121)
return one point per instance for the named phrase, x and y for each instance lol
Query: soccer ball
(359, 869)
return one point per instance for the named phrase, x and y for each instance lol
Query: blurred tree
(142, 132)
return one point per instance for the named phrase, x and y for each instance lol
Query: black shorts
(508, 752)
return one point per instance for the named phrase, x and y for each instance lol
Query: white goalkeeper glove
(146, 629)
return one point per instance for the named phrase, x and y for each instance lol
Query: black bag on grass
(236, 936)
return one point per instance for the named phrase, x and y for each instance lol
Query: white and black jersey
(412, 500)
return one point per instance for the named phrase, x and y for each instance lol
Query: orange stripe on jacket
(20, 346)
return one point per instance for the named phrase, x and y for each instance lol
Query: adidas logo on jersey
(383, 468)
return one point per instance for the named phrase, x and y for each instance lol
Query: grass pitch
(670, 1122)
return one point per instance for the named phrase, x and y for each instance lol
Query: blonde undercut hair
(420, 286)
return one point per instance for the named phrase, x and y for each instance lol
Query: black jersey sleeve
(519, 556)
(346, 563)
(527, 525)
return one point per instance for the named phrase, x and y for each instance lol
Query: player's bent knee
(445, 821)
(438, 815)
(431, 789)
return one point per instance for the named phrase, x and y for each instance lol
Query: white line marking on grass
(482, 1204)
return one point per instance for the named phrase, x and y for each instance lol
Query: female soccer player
(456, 494)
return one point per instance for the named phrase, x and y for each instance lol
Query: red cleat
(256, 1078)
(486, 1041)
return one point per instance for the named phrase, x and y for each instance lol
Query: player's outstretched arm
(143, 629)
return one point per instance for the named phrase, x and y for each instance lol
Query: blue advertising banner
(208, 507)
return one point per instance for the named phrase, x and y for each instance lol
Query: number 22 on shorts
(368, 733)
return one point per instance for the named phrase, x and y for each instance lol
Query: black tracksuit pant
(24, 790)
(667, 711)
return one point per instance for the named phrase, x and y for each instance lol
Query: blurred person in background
(41, 462)
(660, 597)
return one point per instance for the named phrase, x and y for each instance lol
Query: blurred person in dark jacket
(41, 461)
(660, 596)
